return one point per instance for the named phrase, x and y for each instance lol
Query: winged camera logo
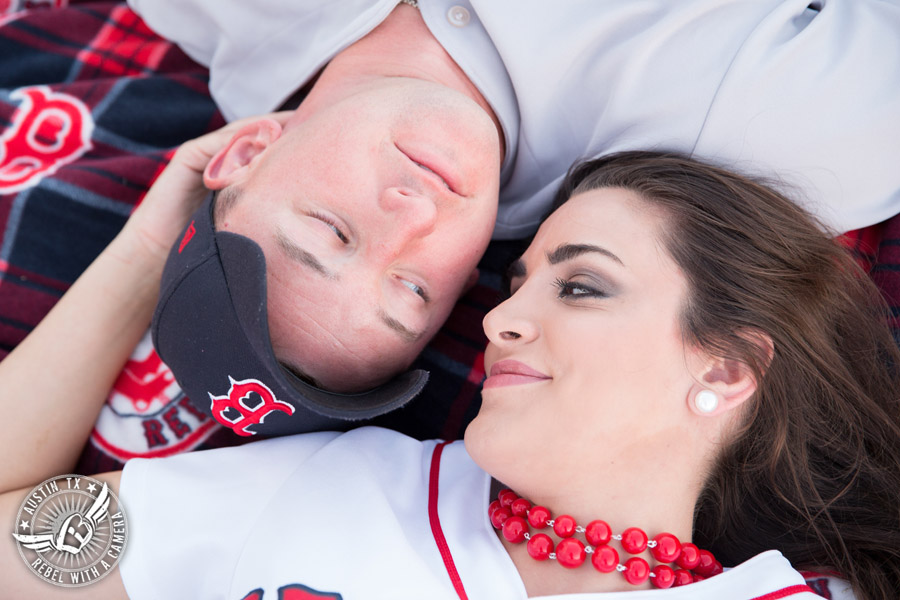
(71, 530)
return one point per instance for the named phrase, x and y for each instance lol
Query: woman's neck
(661, 499)
(401, 46)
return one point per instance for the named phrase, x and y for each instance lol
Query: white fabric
(755, 84)
(341, 514)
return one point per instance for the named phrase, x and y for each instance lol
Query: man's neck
(401, 46)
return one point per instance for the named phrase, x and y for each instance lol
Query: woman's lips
(512, 372)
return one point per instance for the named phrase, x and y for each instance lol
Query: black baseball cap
(211, 328)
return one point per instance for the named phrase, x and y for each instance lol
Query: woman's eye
(332, 225)
(570, 289)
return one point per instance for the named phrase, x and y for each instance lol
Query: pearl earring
(706, 401)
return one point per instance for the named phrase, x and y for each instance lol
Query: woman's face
(586, 360)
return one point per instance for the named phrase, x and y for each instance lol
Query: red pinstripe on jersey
(785, 592)
(436, 531)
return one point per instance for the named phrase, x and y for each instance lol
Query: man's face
(372, 213)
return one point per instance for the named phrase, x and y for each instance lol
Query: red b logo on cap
(241, 408)
(49, 130)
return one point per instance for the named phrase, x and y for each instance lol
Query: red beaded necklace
(515, 516)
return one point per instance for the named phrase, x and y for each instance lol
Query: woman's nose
(511, 323)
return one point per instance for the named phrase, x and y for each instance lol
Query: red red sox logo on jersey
(247, 403)
(147, 414)
(49, 129)
(295, 591)
(143, 383)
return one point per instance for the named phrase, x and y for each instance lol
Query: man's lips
(512, 372)
(433, 163)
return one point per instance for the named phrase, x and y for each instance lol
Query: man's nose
(410, 215)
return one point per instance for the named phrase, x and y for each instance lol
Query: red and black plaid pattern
(142, 96)
(885, 269)
(877, 249)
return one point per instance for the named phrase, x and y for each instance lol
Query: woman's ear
(723, 384)
(230, 164)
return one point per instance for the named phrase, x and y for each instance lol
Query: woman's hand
(56, 380)
(166, 208)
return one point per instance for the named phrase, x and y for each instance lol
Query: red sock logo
(49, 129)
(248, 402)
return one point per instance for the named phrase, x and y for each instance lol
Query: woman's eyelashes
(332, 225)
(569, 289)
(572, 287)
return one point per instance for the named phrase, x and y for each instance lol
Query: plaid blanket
(91, 105)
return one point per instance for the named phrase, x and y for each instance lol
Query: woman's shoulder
(766, 575)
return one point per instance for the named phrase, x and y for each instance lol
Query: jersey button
(458, 16)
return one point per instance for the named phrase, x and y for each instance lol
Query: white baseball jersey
(362, 515)
(808, 89)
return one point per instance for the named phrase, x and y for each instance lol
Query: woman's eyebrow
(515, 269)
(570, 251)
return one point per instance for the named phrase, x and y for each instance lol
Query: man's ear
(231, 163)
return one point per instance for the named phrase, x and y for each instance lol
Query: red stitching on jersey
(436, 530)
(822, 573)
(785, 592)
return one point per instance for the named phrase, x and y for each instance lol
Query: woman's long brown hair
(814, 471)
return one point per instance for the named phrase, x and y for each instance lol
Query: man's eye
(571, 289)
(332, 225)
(418, 290)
